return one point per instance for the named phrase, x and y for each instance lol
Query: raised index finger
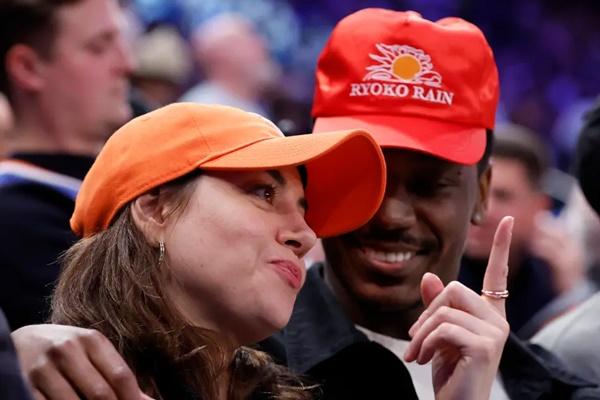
(496, 272)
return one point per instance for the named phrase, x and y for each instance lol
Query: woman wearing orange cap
(194, 221)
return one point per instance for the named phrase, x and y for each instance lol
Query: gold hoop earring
(161, 252)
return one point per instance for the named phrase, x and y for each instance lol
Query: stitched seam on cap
(217, 156)
(197, 126)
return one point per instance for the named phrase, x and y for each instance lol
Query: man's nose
(397, 210)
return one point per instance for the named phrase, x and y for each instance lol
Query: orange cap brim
(453, 142)
(346, 174)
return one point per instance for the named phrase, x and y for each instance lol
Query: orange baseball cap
(344, 168)
(412, 83)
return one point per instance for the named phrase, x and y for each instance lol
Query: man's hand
(66, 362)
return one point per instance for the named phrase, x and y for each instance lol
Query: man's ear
(149, 216)
(481, 205)
(24, 66)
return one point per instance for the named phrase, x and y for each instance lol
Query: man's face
(421, 226)
(511, 193)
(6, 122)
(87, 73)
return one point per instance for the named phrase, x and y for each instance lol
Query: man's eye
(430, 188)
(265, 192)
(442, 184)
(97, 48)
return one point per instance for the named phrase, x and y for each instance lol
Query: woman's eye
(265, 192)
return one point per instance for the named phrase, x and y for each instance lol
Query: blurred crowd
(265, 52)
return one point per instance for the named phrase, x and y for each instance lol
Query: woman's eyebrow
(277, 176)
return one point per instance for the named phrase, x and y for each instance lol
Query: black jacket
(322, 343)
(11, 383)
(34, 231)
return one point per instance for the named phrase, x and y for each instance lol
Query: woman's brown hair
(112, 282)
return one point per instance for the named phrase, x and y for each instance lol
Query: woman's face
(235, 252)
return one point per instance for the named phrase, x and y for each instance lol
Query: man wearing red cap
(428, 94)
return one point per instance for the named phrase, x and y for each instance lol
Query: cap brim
(458, 143)
(346, 174)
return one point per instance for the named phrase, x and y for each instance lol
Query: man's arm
(62, 361)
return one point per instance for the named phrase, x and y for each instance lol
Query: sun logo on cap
(402, 64)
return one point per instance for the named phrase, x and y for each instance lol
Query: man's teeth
(389, 257)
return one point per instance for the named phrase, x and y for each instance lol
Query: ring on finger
(495, 294)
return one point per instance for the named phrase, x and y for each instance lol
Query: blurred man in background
(543, 263)
(64, 67)
(236, 65)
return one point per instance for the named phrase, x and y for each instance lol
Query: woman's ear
(149, 217)
(480, 210)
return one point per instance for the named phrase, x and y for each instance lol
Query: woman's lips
(290, 272)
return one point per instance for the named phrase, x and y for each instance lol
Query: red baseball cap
(345, 168)
(412, 83)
